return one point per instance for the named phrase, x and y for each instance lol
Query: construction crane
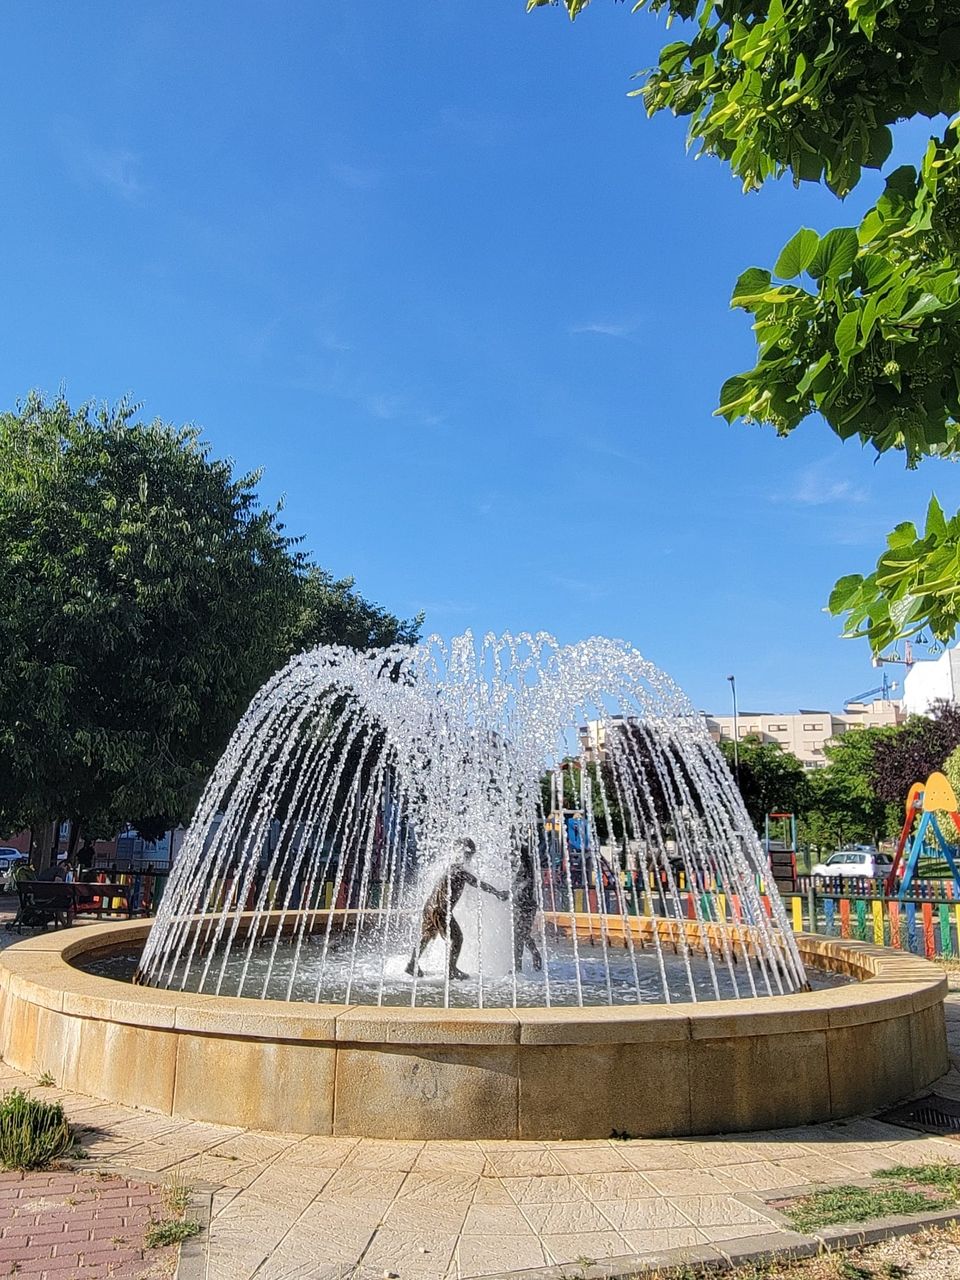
(884, 690)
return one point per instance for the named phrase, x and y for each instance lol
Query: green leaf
(847, 337)
(752, 284)
(835, 255)
(844, 592)
(813, 372)
(936, 524)
(904, 535)
(873, 269)
(796, 254)
(925, 305)
(734, 393)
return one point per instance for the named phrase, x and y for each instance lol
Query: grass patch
(170, 1231)
(33, 1133)
(836, 1205)
(45, 1080)
(944, 1176)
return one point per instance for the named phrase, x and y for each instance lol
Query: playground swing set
(927, 804)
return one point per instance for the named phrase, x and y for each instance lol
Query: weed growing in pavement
(944, 1176)
(175, 1193)
(170, 1231)
(33, 1133)
(45, 1080)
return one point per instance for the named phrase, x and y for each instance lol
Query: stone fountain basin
(561, 1073)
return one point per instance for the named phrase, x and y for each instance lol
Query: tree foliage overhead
(147, 594)
(861, 326)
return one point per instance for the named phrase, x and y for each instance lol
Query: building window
(813, 728)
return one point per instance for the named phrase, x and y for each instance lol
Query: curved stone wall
(647, 1070)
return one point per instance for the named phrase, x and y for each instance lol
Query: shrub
(32, 1133)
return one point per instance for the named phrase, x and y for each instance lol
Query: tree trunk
(46, 842)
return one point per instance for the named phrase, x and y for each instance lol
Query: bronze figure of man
(438, 914)
(525, 908)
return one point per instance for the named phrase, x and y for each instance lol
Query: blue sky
(432, 269)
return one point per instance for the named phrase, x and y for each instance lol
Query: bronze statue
(438, 910)
(525, 910)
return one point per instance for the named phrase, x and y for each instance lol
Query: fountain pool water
(539, 796)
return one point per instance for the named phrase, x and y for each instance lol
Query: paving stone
(584, 1244)
(642, 1215)
(664, 1238)
(565, 1219)
(708, 1211)
(551, 1189)
(484, 1255)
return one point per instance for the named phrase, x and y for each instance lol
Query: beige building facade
(806, 733)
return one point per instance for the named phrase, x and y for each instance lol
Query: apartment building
(806, 733)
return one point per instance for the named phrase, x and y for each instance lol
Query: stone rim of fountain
(452, 1073)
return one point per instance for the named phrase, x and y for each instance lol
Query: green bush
(32, 1133)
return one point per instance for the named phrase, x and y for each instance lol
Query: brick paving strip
(68, 1225)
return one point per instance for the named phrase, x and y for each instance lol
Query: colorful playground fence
(926, 924)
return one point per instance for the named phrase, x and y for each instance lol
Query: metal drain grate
(932, 1114)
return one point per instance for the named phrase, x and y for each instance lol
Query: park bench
(94, 899)
(43, 902)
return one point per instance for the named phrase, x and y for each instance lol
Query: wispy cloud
(329, 340)
(584, 588)
(817, 487)
(357, 177)
(116, 168)
(382, 404)
(596, 444)
(607, 328)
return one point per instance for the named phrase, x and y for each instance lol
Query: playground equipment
(781, 849)
(927, 802)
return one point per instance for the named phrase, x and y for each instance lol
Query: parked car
(8, 858)
(865, 863)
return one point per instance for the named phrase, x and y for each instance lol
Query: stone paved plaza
(286, 1207)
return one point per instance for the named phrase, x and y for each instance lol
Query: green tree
(862, 326)
(914, 751)
(771, 780)
(844, 805)
(147, 595)
(331, 611)
(951, 767)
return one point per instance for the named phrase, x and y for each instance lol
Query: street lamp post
(736, 730)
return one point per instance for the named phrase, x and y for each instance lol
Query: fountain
(352, 778)
(448, 890)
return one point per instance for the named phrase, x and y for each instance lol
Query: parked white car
(857, 863)
(9, 858)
